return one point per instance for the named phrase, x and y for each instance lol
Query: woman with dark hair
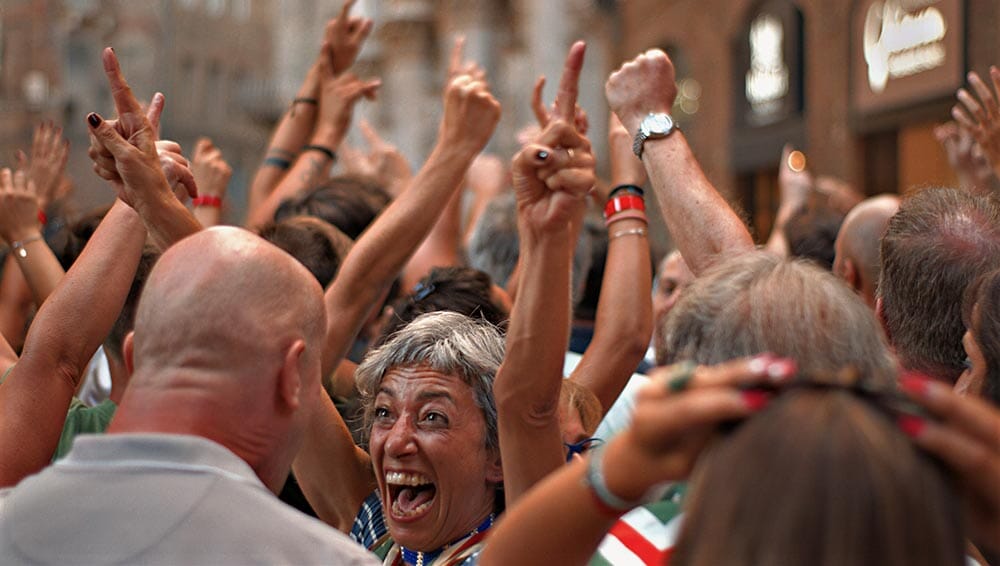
(981, 313)
(859, 481)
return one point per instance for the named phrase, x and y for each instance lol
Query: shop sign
(905, 51)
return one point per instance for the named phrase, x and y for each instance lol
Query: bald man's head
(857, 247)
(224, 299)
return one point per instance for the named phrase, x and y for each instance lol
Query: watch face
(657, 124)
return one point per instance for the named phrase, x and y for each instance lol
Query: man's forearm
(701, 222)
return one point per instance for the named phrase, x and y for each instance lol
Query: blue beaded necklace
(416, 558)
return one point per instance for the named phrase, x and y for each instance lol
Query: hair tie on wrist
(42, 218)
(305, 100)
(278, 162)
(322, 149)
(627, 188)
(626, 215)
(206, 200)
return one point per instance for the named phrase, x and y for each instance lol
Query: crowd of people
(470, 363)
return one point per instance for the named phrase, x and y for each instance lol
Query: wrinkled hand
(553, 175)
(642, 86)
(210, 170)
(337, 97)
(343, 38)
(626, 168)
(130, 140)
(982, 117)
(18, 206)
(793, 186)
(47, 163)
(470, 115)
(670, 429)
(966, 437)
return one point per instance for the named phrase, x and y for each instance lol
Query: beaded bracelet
(629, 232)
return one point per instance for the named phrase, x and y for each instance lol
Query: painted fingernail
(93, 119)
(755, 400)
(782, 369)
(758, 364)
(915, 383)
(911, 425)
(542, 155)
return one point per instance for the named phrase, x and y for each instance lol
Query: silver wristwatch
(653, 126)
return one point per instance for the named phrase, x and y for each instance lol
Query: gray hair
(495, 245)
(757, 302)
(445, 342)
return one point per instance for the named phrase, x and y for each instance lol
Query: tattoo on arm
(314, 173)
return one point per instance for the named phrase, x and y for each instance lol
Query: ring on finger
(679, 376)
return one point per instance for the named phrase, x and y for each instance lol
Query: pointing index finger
(125, 101)
(344, 11)
(569, 84)
(455, 61)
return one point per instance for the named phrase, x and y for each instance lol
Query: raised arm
(552, 177)
(47, 162)
(794, 186)
(69, 327)
(699, 219)
(342, 40)
(211, 174)
(981, 118)
(441, 246)
(565, 517)
(624, 320)
(20, 228)
(334, 473)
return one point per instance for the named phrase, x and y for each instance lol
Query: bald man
(857, 246)
(225, 361)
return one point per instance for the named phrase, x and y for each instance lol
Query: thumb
(108, 136)
(154, 111)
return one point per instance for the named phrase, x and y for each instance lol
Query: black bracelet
(628, 189)
(278, 162)
(322, 149)
(303, 100)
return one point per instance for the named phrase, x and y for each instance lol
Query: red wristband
(42, 219)
(623, 202)
(207, 201)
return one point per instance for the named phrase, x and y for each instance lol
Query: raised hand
(642, 86)
(210, 170)
(457, 65)
(337, 96)
(964, 154)
(553, 174)
(383, 162)
(471, 114)
(344, 36)
(47, 163)
(131, 139)
(544, 116)
(982, 117)
(18, 207)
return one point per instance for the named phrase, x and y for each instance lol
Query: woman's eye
(381, 413)
(436, 418)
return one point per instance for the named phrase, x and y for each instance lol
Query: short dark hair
(811, 232)
(319, 246)
(347, 203)
(939, 241)
(126, 318)
(457, 289)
